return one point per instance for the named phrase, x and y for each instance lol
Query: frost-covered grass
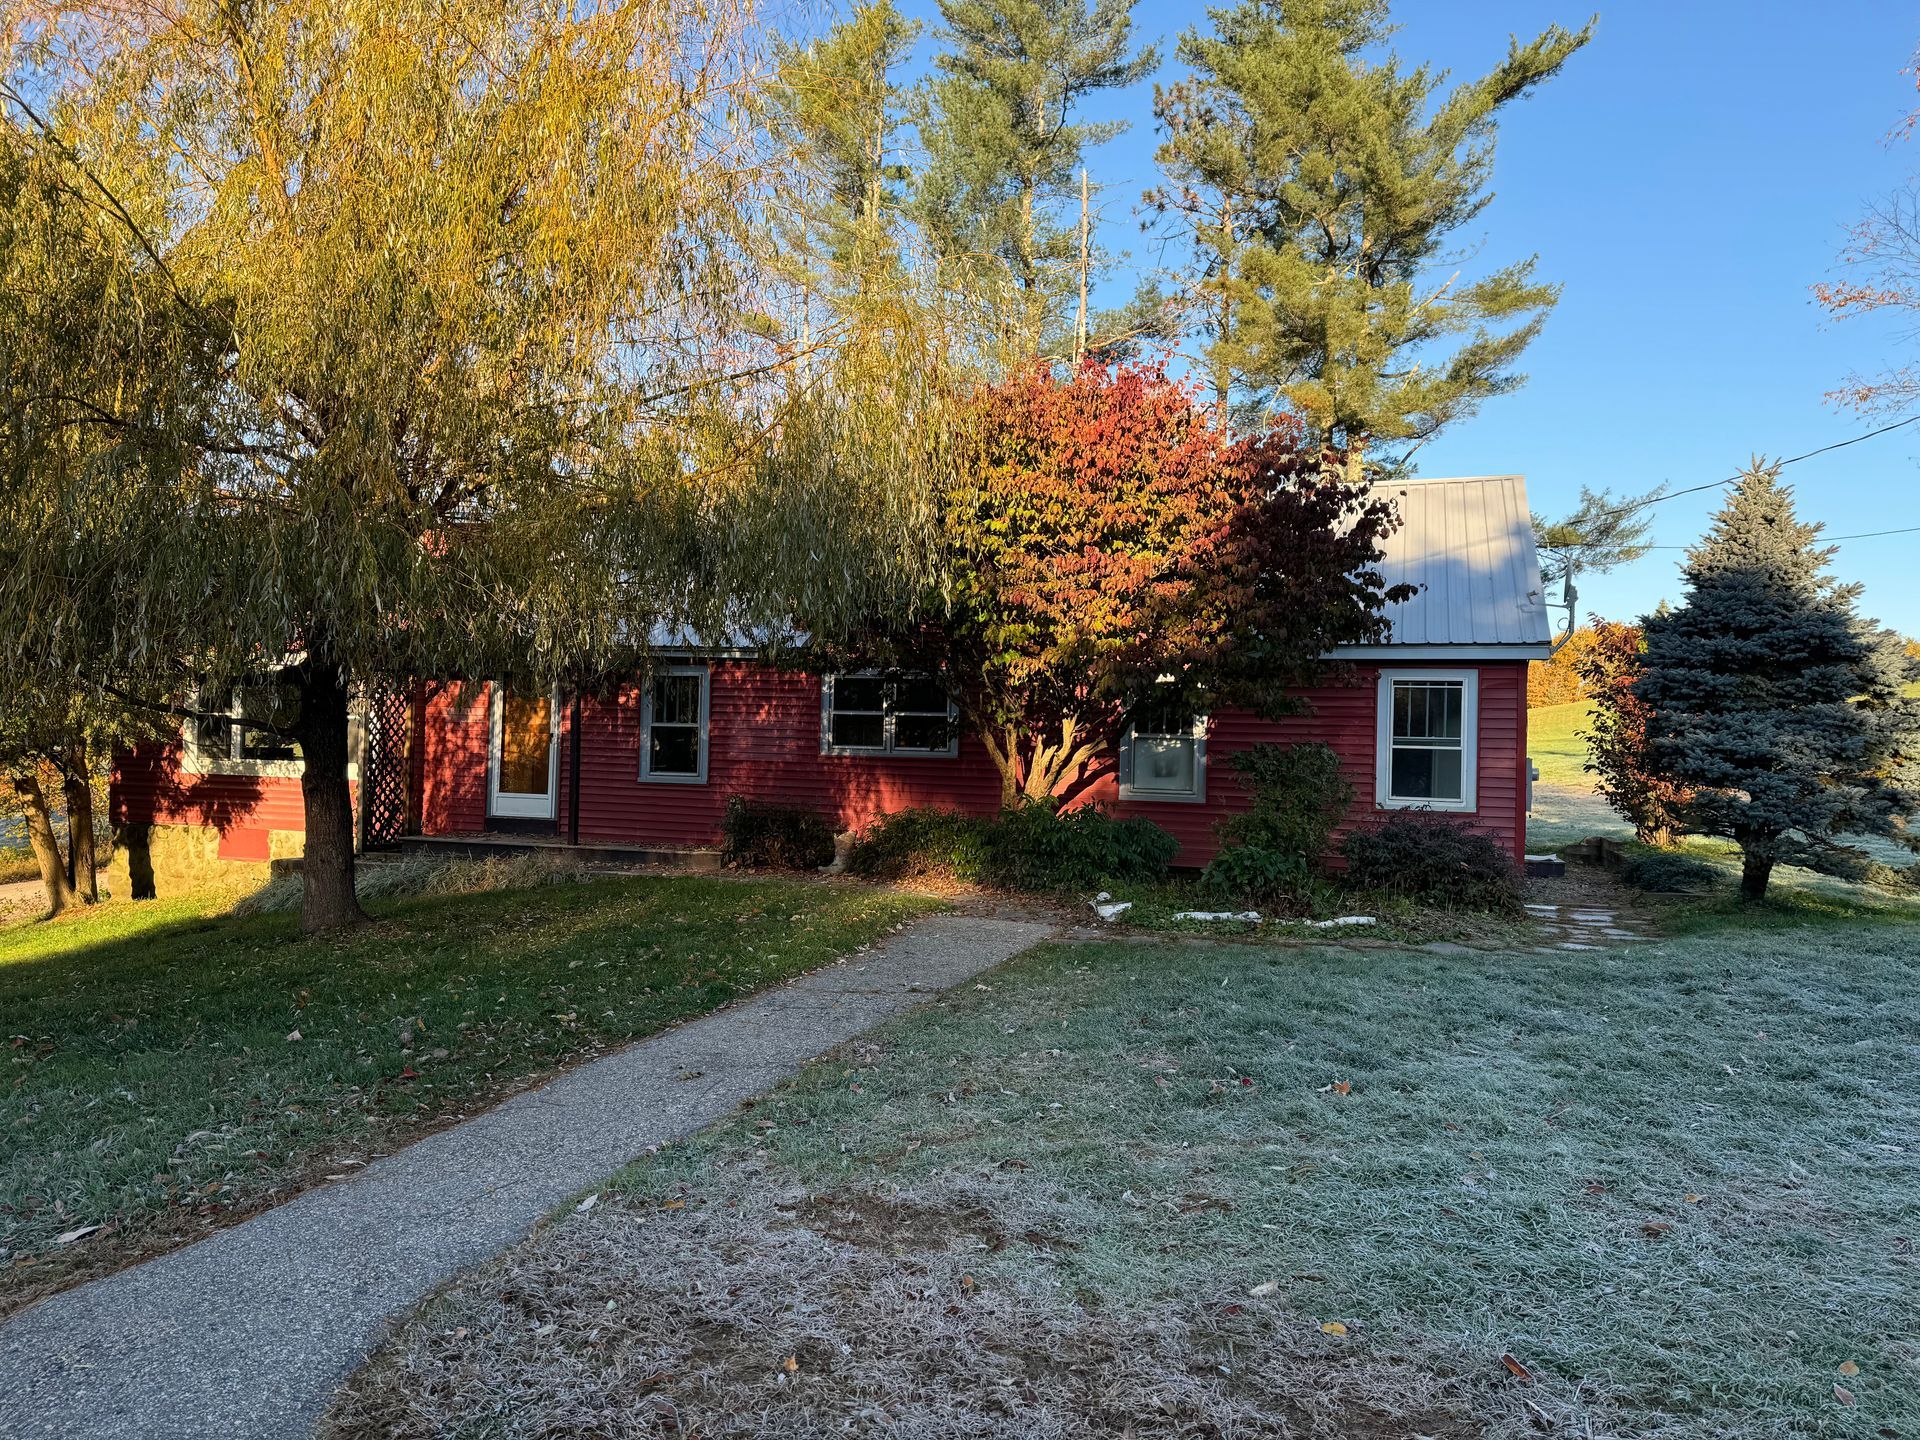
(1126, 1187)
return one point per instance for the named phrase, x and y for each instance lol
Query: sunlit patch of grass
(171, 1065)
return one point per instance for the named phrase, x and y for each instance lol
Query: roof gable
(1468, 544)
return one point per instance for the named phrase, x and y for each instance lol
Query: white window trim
(885, 749)
(1124, 769)
(1469, 680)
(510, 804)
(196, 761)
(699, 776)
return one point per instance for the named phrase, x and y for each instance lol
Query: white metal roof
(1468, 544)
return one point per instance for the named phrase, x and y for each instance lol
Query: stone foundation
(155, 860)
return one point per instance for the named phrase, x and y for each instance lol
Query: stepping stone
(1576, 945)
(1544, 909)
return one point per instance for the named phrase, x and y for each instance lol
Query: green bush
(1034, 848)
(922, 843)
(1269, 878)
(1665, 870)
(1421, 856)
(1272, 851)
(1298, 795)
(1038, 848)
(760, 835)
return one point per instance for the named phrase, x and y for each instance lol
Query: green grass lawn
(1172, 1189)
(1555, 745)
(172, 1066)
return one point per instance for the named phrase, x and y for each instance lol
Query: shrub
(1299, 794)
(920, 843)
(1668, 870)
(1033, 847)
(1038, 848)
(1423, 857)
(761, 835)
(1271, 851)
(1609, 666)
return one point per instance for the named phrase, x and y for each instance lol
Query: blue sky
(1686, 178)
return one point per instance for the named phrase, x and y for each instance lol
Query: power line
(1821, 540)
(1778, 465)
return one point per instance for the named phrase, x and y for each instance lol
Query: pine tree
(1004, 152)
(1774, 703)
(839, 110)
(1324, 182)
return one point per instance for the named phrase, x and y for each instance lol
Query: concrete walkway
(247, 1332)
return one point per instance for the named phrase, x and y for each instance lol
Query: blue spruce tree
(1776, 703)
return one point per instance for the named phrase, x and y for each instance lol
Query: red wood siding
(1345, 718)
(150, 788)
(764, 743)
(453, 759)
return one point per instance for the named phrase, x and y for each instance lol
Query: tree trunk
(328, 901)
(82, 863)
(46, 846)
(1755, 872)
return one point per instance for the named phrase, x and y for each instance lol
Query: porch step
(479, 847)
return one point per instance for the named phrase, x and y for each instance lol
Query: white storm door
(523, 755)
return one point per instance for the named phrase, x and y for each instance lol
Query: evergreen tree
(1324, 180)
(839, 110)
(1003, 152)
(1774, 703)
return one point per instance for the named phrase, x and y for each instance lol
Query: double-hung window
(870, 714)
(1163, 755)
(243, 731)
(673, 725)
(1427, 739)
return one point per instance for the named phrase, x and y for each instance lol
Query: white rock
(1249, 916)
(1113, 911)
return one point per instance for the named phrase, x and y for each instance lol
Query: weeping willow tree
(465, 360)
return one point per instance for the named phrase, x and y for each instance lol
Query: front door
(523, 755)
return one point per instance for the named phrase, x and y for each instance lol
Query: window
(222, 742)
(887, 715)
(1163, 756)
(673, 725)
(1428, 728)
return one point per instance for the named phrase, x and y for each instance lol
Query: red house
(1435, 718)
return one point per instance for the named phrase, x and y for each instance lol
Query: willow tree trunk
(328, 901)
(46, 846)
(82, 863)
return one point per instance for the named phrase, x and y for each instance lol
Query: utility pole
(1086, 264)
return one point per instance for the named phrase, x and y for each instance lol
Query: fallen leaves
(1264, 1289)
(1842, 1394)
(1514, 1367)
(1332, 1327)
(70, 1236)
(1849, 1369)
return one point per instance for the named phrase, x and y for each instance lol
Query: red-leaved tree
(1108, 544)
(1617, 753)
